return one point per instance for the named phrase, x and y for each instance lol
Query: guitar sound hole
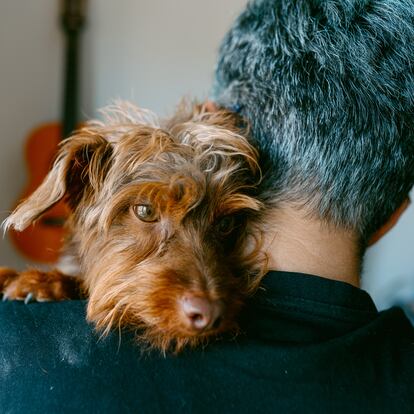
(52, 221)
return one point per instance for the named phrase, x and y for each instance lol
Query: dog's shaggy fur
(159, 210)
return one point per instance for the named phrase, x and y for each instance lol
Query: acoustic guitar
(42, 241)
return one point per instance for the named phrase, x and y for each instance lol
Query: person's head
(328, 87)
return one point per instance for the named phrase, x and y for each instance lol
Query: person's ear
(392, 221)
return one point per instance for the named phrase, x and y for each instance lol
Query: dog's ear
(77, 173)
(82, 163)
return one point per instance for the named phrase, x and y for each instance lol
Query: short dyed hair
(328, 87)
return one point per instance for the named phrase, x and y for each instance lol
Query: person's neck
(297, 243)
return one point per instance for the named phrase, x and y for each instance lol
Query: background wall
(150, 51)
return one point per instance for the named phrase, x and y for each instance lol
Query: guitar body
(42, 241)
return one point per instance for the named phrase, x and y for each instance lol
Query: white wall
(30, 67)
(151, 51)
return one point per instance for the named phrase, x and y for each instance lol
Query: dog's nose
(201, 313)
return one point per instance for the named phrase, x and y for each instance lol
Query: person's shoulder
(391, 335)
(395, 320)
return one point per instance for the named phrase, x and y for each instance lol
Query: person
(328, 90)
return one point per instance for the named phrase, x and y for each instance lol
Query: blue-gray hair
(328, 88)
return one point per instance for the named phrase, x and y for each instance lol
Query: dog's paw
(39, 286)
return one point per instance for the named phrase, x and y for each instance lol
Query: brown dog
(162, 224)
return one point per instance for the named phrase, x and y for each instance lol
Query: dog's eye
(145, 212)
(226, 225)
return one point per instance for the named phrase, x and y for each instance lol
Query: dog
(163, 223)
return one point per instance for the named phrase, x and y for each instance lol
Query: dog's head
(162, 214)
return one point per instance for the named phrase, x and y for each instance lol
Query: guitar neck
(73, 20)
(70, 97)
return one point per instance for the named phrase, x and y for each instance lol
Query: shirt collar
(296, 307)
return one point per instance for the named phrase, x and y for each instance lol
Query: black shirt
(309, 345)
